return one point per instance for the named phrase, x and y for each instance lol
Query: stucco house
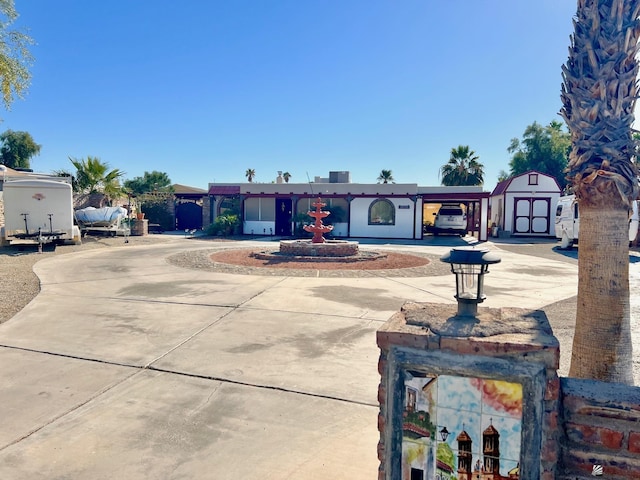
(390, 210)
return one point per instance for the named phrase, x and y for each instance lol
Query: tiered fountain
(318, 229)
(319, 246)
(318, 249)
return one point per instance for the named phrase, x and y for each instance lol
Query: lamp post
(444, 434)
(469, 265)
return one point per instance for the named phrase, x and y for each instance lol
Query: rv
(38, 211)
(568, 221)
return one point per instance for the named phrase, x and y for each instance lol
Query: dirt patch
(389, 261)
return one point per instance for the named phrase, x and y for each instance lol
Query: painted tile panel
(460, 428)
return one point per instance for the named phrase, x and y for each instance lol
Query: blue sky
(204, 90)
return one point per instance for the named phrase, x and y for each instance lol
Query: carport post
(484, 225)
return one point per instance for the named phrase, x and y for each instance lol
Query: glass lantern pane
(468, 281)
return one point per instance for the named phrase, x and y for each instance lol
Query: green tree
(544, 149)
(502, 175)
(17, 148)
(66, 173)
(385, 176)
(150, 182)
(94, 176)
(463, 168)
(250, 174)
(286, 176)
(15, 58)
(599, 91)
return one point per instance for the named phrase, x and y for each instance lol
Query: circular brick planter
(330, 248)
(340, 251)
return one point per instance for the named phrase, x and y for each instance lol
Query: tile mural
(460, 428)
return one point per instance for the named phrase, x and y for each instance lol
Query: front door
(283, 217)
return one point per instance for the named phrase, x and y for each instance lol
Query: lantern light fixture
(470, 265)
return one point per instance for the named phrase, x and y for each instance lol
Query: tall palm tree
(463, 168)
(598, 95)
(95, 176)
(385, 176)
(250, 174)
(286, 176)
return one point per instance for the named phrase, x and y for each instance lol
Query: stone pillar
(139, 227)
(487, 384)
(207, 203)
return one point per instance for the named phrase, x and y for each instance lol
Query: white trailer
(38, 211)
(568, 221)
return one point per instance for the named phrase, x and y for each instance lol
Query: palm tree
(250, 174)
(94, 176)
(462, 168)
(598, 95)
(502, 175)
(286, 176)
(385, 176)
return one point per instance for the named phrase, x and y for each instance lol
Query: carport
(475, 200)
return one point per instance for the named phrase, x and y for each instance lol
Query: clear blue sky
(203, 90)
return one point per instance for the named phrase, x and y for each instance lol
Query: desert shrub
(224, 225)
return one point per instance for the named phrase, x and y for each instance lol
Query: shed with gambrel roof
(524, 205)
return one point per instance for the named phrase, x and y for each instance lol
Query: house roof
(10, 172)
(184, 189)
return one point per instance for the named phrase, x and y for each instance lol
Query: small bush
(157, 208)
(224, 225)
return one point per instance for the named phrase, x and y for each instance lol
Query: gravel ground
(241, 262)
(19, 285)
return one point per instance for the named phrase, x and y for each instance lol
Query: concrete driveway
(126, 366)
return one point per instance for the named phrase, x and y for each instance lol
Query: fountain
(318, 228)
(319, 248)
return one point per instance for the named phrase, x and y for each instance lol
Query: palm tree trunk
(599, 93)
(602, 342)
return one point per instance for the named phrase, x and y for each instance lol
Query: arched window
(229, 205)
(382, 212)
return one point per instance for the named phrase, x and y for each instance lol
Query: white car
(450, 219)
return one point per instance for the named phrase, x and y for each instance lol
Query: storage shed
(524, 205)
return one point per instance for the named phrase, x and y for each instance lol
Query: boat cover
(104, 215)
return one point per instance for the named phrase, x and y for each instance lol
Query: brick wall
(601, 426)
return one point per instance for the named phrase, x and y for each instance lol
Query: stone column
(488, 384)
(139, 227)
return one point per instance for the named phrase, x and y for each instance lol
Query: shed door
(532, 216)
